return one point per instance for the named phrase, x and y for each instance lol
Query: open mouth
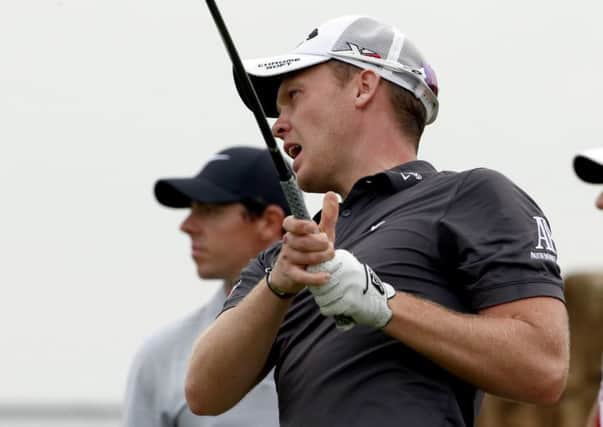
(293, 150)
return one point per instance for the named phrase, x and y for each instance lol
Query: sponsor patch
(545, 237)
(545, 249)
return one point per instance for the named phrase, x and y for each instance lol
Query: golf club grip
(297, 205)
(295, 198)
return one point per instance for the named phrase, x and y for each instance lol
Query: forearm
(229, 356)
(507, 356)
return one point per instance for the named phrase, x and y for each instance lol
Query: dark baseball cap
(589, 165)
(236, 174)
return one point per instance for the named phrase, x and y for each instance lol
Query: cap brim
(181, 192)
(589, 166)
(266, 75)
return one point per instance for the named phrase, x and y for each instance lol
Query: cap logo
(214, 158)
(366, 55)
(313, 34)
(355, 50)
(278, 64)
(430, 79)
(218, 157)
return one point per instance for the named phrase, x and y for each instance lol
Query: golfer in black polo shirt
(450, 280)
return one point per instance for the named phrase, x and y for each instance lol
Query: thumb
(328, 217)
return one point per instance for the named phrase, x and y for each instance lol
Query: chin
(311, 184)
(207, 275)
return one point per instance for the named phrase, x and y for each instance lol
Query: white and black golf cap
(589, 165)
(236, 174)
(358, 40)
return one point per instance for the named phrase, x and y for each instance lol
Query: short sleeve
(251, 275)
(497, 242)
(140, 406)
(249, 278)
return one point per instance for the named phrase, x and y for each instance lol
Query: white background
(99, 98)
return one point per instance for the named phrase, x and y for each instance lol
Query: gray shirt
(155, 389)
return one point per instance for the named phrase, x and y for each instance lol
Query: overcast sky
(99, 98)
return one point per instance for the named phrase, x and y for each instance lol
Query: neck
(377, 155)
(375, 144)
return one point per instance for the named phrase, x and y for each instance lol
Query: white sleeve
(140, 403)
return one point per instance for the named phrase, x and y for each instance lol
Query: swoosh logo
(376, 226)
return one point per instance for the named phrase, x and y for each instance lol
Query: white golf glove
(354, 291)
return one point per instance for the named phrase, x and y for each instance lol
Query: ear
(270, 223)
(367, 82)
(599, 201)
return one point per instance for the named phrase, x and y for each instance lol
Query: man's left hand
(353, 290)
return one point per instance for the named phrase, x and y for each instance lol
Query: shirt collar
(390, 181)
(393, 180)
(409, 174)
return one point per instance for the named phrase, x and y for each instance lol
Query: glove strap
(276, 291)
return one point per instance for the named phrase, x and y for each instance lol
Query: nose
(281, 127)
(599, 201)
(189, 225)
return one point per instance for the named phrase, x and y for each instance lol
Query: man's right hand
(306, 243)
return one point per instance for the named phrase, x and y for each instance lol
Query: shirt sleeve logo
(545, 248)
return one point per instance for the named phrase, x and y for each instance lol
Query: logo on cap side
(430, 78)
(355, 50)
(278, 64)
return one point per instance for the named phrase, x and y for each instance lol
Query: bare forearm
(228, 359)
(508, 356)
(217, 378)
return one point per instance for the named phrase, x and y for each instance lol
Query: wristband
(276, 291)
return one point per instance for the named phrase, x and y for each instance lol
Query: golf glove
(353, 291)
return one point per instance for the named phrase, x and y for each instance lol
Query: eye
(208, 210)
(292, 93)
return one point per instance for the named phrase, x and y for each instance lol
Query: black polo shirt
(467, 241)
